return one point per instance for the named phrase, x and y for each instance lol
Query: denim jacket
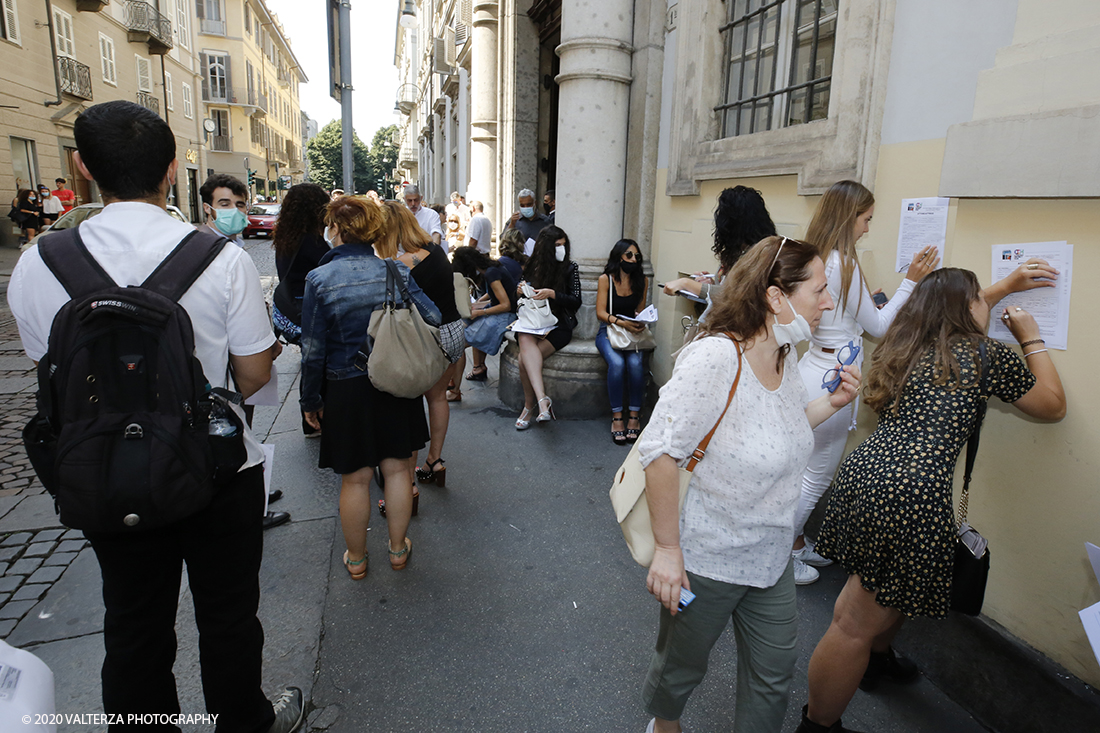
(341, 293)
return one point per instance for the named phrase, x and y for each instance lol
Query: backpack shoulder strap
(177, 272)
(65, 254)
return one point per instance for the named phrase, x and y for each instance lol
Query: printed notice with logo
(923, 223)
(1049, 306)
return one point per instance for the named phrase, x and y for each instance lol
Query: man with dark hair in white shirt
(130, 153)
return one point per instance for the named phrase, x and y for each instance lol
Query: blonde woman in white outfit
(841, 219)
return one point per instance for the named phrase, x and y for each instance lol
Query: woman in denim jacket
(364, 427)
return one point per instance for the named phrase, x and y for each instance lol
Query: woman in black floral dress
(890, 519)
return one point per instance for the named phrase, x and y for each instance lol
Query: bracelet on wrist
(1032, 341)
(1032, 353)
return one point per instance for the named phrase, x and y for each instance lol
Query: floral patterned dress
(891, 518)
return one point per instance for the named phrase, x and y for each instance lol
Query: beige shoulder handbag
(628, 491)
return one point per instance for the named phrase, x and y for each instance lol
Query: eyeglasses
(845, 356)
(630, 255)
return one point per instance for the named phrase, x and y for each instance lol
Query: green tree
(326, 166)
(383, 159)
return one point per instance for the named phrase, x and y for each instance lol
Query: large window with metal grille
(779, 66)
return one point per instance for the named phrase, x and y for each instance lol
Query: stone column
(483, 108)
(593, 113)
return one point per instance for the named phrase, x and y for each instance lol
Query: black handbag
(971, 570)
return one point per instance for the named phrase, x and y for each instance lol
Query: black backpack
(121, 438)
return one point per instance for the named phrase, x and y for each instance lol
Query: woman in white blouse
(841, 220)
(730, 545)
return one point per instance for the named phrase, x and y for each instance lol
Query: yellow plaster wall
(1036, 491)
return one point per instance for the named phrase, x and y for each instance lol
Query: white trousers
(829, 437)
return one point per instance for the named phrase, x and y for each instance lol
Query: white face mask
(328, 238)
(792, 333)
(559, 253)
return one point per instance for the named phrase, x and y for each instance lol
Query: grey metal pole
(346, 126)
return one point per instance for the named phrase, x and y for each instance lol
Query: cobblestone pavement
(31, 561)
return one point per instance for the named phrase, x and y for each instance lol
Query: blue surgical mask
(230, 222)
(527, 211)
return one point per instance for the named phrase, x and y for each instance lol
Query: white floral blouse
(737, 522)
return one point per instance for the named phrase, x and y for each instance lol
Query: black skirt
(363, 425)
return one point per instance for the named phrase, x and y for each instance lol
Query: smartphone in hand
(880, 299)
(686, 597)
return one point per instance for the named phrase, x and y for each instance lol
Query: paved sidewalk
(520, 611)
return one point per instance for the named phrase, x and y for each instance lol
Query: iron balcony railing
(409, 155)
(213, 27)
(219, 92)
(76, 78)
(407, 94)
(148, 101)
(220, 143)
(146, 25)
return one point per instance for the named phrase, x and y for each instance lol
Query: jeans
(620, 364)
(222, 546)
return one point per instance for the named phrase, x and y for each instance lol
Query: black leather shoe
(890, 667)
(274, 519)
(809, 726)
(274, 496)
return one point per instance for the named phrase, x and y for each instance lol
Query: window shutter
(229, 95)
(11, 21)
(107, 59)
(63, 29)
(463, 22)
(200, 9)
(144, 75)
(169, 98)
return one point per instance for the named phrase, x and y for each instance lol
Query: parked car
(261, 220)
(74, 216)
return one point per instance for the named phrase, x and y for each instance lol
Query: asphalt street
(521, 609)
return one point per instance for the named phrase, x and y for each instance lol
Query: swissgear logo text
(113, 304)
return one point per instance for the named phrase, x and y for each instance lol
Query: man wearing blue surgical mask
(225, 206)
(528, 219)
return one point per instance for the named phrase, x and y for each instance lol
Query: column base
(575, 379)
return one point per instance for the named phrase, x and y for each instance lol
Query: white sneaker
(804, 574)
(808, 556)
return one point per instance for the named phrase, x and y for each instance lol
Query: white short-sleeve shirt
(428, 220)
(481, 229)
(129, 239)
(737, 524)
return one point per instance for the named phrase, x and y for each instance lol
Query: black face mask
(629, 267)
(547, 208)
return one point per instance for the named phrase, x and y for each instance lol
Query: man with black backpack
(143, 445)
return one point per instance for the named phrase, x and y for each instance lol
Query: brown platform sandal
(405, 553)
(349, 564)
(433, 472)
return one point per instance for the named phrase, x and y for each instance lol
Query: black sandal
(632, 434)
(618, 437)
(478, 374)
(433, 472)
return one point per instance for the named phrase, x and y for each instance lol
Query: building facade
(179, 58)
(249, 84)
(73, 53)
(640, 112)
(995, 105)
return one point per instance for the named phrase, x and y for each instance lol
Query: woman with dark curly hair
(556, 278)
(741, 220)
(299, 246)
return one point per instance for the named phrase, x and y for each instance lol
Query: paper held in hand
(649, 315)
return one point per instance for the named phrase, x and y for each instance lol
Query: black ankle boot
(809, 726)
(888, 666)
